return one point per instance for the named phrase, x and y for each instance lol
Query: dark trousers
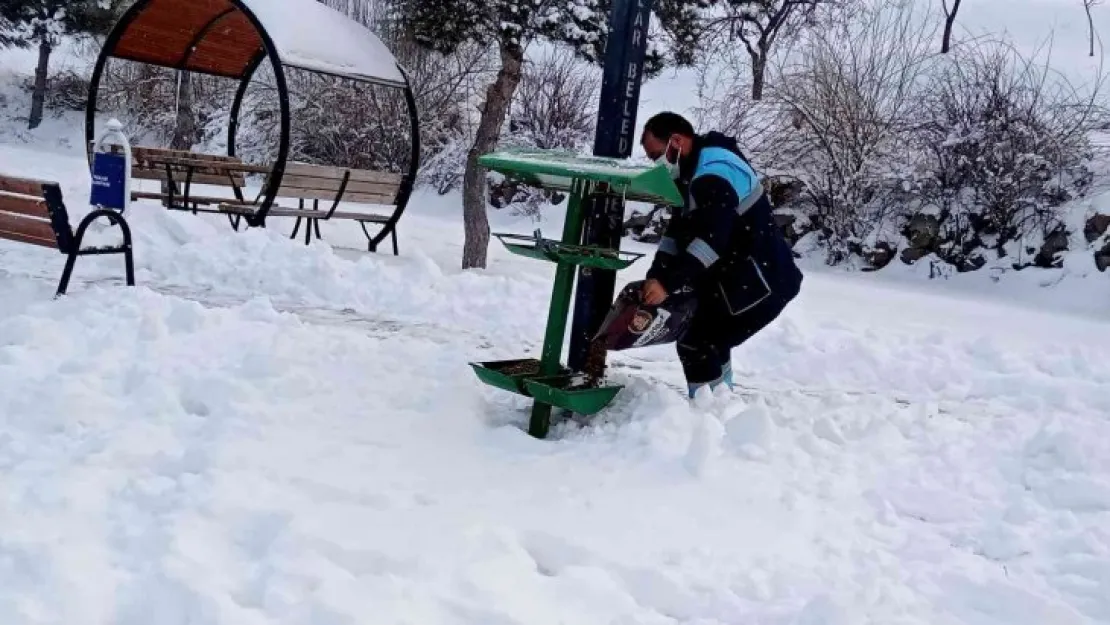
(706, 348)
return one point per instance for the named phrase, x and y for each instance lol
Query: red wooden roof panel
(164, 30)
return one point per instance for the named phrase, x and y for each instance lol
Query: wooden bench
(301, 181)
(176, 169)
(32, 212)
(317, 183)
(179, 167)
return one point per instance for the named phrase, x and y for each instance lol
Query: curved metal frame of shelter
(226, 38)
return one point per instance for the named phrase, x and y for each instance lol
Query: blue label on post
(109, 181)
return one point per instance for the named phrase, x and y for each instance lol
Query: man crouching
(723, 246)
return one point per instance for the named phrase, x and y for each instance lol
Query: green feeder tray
(562, 391)
(559, 170)
(509, 375)
(557, 252)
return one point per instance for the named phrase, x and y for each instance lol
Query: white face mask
(672, 168)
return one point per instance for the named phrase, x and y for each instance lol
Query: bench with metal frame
(317, 183)
(33, 212)
(178, 170)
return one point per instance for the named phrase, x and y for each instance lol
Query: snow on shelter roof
(219, 37)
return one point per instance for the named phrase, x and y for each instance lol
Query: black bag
(631, 323)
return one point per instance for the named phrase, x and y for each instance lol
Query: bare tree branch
(949, 22)
(1087, 6)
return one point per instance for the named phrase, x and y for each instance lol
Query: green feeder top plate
(556, 170)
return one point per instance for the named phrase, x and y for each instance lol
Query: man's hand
(653, 293)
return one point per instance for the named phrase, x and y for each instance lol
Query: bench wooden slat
(333, 184)
(142, 151)
(329, 196)
(172, 155)
(23, 204)
(241, 209)
(278, 211)
(183, 161)
(358, 175)
(27, 227)
(182, 165)
(155, 195)
(198, 178)
(378, 219)
(22, 186)
(23, 238)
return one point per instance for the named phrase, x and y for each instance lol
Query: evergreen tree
(44, 23)
(509, 26)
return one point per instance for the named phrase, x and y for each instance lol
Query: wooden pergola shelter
(231, 39)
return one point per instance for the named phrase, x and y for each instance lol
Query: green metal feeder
(545, 379)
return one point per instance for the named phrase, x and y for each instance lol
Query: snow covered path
(266, 433)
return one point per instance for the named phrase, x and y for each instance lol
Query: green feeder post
(561, 293)
(545, 379)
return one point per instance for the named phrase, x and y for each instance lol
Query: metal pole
(616, 127)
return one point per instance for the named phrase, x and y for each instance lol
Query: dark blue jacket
(724, 240)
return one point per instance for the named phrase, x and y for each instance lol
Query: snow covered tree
(44, 23)
(509, 27)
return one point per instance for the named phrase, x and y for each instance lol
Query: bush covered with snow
(1003, 144)
(898, 152)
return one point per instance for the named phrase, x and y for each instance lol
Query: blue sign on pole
(616, 125)
(109, 181)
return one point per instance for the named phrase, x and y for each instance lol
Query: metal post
(616, 127)
(550, 359)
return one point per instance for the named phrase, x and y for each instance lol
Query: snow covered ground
(264, 432)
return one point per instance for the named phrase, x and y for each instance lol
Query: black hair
(663, 125)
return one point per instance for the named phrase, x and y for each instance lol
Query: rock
(658, 219)
(507, 192)
(1055, 243)
(785, 224)
(922, 231)
(784, 221)
(974, 262)
(879, 256)
(502, 194)
(783, 191)
(911, 255)
(636, 223)
(1102, 258)
(1096, 227)
(1102, 261)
